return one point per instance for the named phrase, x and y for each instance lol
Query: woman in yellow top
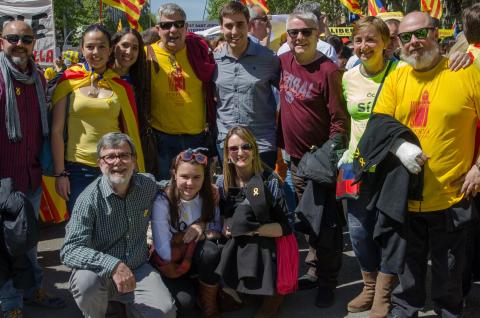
(90, 100)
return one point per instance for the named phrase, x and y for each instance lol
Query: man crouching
(105, 242)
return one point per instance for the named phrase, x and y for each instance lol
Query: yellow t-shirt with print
(177, 97)
(441, 107)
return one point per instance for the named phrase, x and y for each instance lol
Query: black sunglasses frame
(15, 38)
(167, 25)
(245, 147)
(306, 32)
(416, 33)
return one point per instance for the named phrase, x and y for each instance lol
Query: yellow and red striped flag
(375, 7)
(132, 9)
(261, 3)
(352, 6)
(433, 7)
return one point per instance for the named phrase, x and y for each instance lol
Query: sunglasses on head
(245, 147)
(14, 38)
(420, 34)
(305, 32)
(194, 154)
(168, 25)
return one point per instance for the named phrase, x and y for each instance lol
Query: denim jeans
(168, 146)
(361, 224)
(10, 297)
(80, 177)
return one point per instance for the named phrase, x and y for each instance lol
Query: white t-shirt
(190, 211)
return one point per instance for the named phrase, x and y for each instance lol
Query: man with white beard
(441, 107)
(106, 238)
(23, 109)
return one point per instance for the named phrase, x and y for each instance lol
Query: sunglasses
(14, 38)
(112, 158)
(168, 25)
(420, 34)
(264, 19)
(305, 32)
(245, 147)
(194, 154)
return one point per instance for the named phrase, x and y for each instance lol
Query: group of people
(401, 122)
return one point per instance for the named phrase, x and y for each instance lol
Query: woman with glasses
(184, 221)
(247, 184)
(361, 87)
(89, 101)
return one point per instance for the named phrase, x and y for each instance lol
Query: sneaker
(42, 298)
(307, 281)
(325, 297)
(13, 313)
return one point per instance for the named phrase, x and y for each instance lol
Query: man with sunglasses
(182, 109)
(23, 109)
(312, 111)
(322, 46)
(441, 107)
(106, 238)
(245, 74)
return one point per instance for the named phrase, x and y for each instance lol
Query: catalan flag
(433, 7)
(353, 6)
(132, 9)
(375, 7)
(261, 3)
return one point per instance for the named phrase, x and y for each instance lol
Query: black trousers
(204, 262)
(325, 251)
(429, 234)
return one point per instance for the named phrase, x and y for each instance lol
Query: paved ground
(298, 305)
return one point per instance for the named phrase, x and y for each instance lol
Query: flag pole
(101, 6)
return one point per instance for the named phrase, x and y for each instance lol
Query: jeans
(80, 177)
(168, 146)
(10, 297)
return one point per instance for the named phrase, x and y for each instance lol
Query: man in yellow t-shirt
(177, 107)
(441, 107)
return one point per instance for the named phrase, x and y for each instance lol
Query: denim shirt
(244, 93)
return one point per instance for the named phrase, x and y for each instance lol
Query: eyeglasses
(112, 158)
(194, 154)
(245, 147)
(168, 25)
(14, 38)
(420, 34)
(305, 32)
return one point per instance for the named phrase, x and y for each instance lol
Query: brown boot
(383, 290)
(364, 300)
(208, 300)
(270, 306)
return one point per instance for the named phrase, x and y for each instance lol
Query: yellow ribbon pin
(256, 192)
(18, 91)
(145, 213)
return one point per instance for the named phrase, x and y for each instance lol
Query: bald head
(415, 20)
(18, 42)
(20, 26)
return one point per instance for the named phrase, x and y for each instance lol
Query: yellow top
(88, 120)
(178, 100)
(441, 107)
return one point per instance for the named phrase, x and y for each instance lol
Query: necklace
(366, 74)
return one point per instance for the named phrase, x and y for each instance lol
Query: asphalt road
(299, 304)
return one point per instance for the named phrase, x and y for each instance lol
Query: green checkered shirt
(106, 229)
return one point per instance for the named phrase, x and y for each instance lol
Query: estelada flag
(375, 7)
(132, 9)
(261, 3)
(433, 7)
(353, 6)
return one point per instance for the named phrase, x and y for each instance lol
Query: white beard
(424, 61)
